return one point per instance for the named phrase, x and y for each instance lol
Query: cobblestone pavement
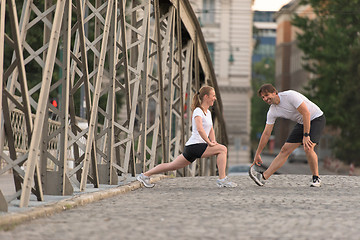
(195, 208)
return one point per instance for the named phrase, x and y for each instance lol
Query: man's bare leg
(280, 159)
(312, 161)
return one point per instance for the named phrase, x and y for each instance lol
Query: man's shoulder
(288, 93)
(291, 94)
(272, 108)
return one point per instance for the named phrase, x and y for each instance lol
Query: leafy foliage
(331, 47)
(349, 144)
(264, 72)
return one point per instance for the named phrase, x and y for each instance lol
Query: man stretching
(310, 121)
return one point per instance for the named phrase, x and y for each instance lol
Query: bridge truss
(96, 57)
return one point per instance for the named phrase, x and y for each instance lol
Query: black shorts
(316, 127)
(194, 151)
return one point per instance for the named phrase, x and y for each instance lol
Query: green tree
(327, 42)
(264, 72)
(347, 147)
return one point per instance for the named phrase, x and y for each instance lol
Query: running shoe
(145, 180)
(225, 183)
(256, 176)
(316, 182)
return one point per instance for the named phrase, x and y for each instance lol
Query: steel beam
(3, 203)
(96, 97)
(17, 68)
(161, 104)
(42, 110)
(113, 50)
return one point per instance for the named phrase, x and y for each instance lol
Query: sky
(269, 5)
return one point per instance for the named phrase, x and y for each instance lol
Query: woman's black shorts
(194, 151)
(316, 127)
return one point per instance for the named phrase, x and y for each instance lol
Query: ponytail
(198, 97)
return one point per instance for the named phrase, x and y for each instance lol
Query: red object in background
(54, 103)
(185, 106)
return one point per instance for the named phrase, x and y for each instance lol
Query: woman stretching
(202, 143)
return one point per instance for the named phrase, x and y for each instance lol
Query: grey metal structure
(150, 55)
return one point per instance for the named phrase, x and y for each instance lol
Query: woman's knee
(222, 149)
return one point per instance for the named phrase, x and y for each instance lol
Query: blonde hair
(199, 96)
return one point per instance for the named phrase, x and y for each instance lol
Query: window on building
(208, 15)
(260, 16)
(211, 49)
(265, 50)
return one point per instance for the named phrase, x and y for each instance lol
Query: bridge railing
(146, 57)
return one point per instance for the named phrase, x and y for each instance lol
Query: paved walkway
(194, 208)
(298, 167)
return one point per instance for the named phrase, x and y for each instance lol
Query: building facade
(264, 35)
(227, 28)
(289, 73)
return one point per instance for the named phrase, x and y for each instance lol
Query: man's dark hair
(267, 88)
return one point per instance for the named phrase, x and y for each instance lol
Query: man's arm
(304, 111)
(263, 141)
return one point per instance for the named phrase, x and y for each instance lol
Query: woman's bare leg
(221, 152)
(178, 163)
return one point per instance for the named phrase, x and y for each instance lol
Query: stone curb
(11, 219)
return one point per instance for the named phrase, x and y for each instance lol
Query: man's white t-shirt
(287, 108)
(207, 125)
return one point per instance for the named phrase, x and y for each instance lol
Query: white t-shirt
(207, 125)
(287, 108)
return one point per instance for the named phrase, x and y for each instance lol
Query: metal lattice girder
(2, 37)
(139, 60)
(189, 90)
(194, 30)
(151, 125)
(130, 48)
(168, 42)
(182, 83)
(41, 111)
(55, 180)
(105, 136)
(80, 79)
(100, 50)
(12, 85)
(16, 94)
(144, 85)
(161, 81)
(3, 203)
(96, 95)
(121, 85)
(176, 97)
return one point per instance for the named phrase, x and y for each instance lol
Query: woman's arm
(200, 128)
(212, 135)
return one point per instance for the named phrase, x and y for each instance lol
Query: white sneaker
(145, 180)
(316, 182)
(256, 176)
(225, 183)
